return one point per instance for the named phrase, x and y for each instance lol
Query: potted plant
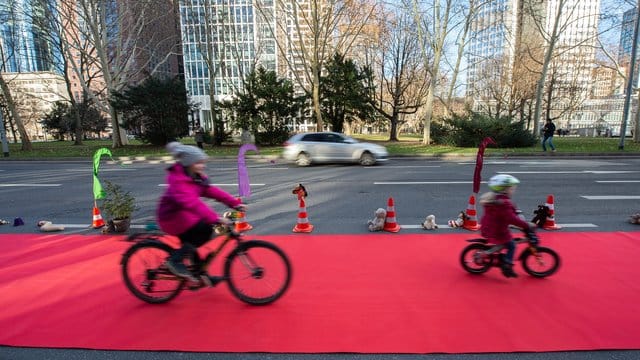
(119, 205)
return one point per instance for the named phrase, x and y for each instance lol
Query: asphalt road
(591, 194)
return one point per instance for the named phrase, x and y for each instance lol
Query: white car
(332, 147)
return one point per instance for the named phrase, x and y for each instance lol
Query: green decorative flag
(98, 192)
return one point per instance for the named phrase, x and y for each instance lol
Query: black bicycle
(256, 271)
(537, 261)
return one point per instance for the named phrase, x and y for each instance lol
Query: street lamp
(3, 137)
(632, 65)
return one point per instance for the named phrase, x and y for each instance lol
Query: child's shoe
(179, 269)
(507, 271)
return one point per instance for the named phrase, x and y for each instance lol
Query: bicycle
(537, 261)
(251, 263)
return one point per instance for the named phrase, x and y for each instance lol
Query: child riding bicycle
(499, 213)
(181, 211)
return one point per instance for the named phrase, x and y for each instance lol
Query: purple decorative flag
(479, 158)
(244, 190)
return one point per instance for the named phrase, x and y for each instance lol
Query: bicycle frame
(211, 256)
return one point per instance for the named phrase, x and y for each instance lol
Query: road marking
(165, 185)
(571, 172)
(611, 197)
(586, 225)
(420, 182)
(402, 166)
(617, 181)
(30, 185)
(140, 226)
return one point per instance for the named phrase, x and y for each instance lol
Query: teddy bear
(459, 221)
(635, 218)
(47, 226)
(377, 224)
(430, 223)
(541, 215)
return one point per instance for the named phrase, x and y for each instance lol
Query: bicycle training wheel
(474, 260)
(257, 272)
(544, 263)
(146, 276)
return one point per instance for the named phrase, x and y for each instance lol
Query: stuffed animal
(301, 191)
(635, 218)
(47, 226)
(541, 215)
(459, 221)
(377, 224)
(430, 223)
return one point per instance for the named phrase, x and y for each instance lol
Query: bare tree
(402, 85)
(565, 15)
(433, 28)
(309, 34)
(109, 37)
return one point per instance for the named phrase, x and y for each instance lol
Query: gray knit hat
(187, 155)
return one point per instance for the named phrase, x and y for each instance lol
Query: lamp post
(3, 137)
(632, 65)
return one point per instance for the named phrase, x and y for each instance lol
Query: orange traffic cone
(241, 222)
(97, 218)
(471, 220)
(550, 224)
(390, 222)
(303, 225)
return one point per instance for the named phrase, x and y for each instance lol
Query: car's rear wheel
(367, 159)
(303, 159)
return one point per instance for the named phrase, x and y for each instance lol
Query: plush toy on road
(377, 223)
(430, 223)
(456, 223)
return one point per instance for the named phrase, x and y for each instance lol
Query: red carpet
(370, 293)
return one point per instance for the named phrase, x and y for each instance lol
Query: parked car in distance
(331, 147)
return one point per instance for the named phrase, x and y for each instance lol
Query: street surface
(591, 194)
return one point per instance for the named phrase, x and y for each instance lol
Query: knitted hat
(187, 155)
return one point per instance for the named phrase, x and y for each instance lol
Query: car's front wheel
(367, 159)
(303, 159)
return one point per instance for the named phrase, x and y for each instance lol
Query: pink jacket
(496, 219)
(181, 208)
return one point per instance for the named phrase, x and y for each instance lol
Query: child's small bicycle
(257, 272)
(537, 261)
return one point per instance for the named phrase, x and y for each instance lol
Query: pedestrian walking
(199, 137)
(547, 135)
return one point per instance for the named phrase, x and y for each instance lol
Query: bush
(272, 137)
(470, 130)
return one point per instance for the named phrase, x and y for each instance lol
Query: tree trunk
(24, 137)
(545, 67)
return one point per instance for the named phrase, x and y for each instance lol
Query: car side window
(311, 137)
(332, 138)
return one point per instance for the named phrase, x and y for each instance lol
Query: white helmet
(501, 182)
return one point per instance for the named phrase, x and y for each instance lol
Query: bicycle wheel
(146, 276)
(474, 259)
(257, 272)
(544, 263)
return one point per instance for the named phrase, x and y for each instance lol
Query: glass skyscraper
(222, 41)
(26, 36)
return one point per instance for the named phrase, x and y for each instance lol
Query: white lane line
(611, 197)
(402, 166)
(165, 185)
(30, 185)
(586, 225)
(618, 181)
(88, 226)
(571, 172)
(420, 182)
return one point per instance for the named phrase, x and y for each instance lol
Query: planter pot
(121, 225)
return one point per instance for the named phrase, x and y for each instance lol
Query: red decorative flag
(479, 158)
